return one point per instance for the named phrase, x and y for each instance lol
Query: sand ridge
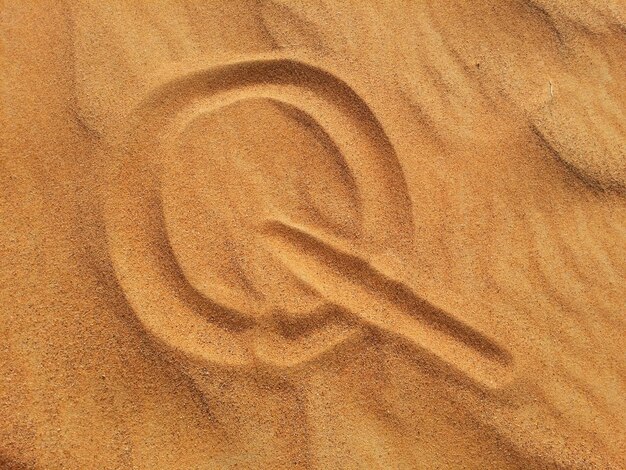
(314, 235)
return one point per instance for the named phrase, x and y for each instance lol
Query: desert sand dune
(269, 234)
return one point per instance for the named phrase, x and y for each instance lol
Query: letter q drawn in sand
(207, 319)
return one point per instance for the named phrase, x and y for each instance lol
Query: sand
(267, 234)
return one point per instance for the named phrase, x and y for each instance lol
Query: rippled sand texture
(266, 234)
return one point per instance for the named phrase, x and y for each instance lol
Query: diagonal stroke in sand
(388, 305)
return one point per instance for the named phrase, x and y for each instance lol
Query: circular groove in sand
(145, 263)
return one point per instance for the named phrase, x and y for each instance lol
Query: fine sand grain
(264, 234)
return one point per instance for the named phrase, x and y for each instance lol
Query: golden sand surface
(263, 234)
